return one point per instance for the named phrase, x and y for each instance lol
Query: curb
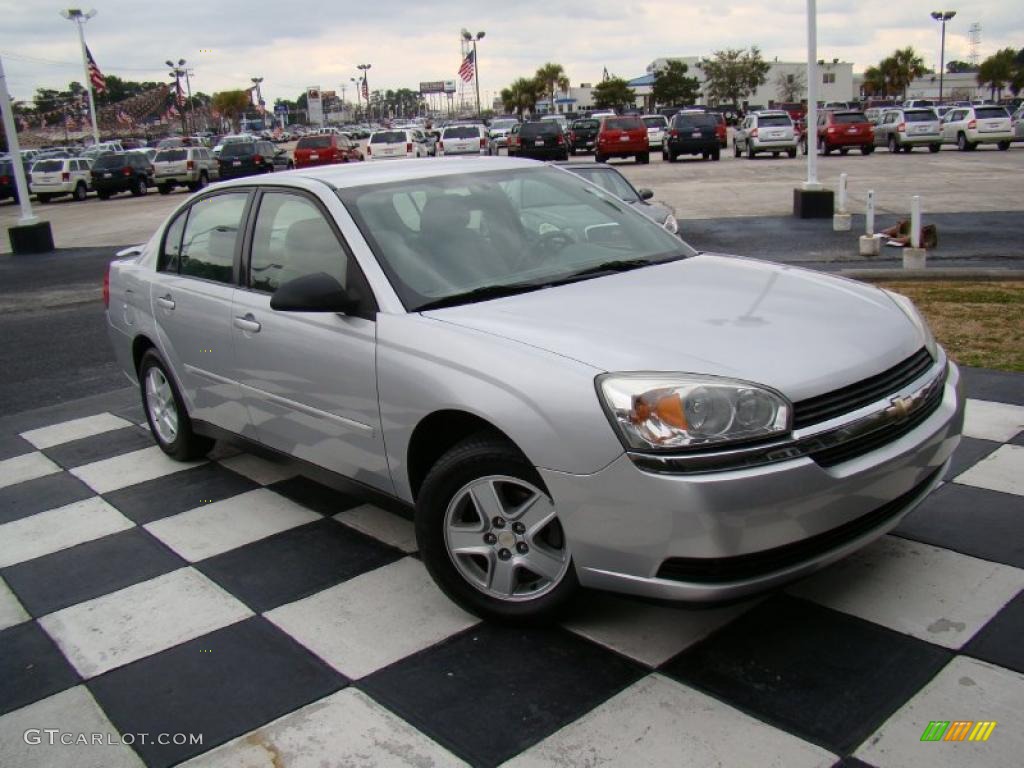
(947, 273)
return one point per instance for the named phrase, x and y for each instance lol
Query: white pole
(842, 193)
(88, 80)
(15, 150)
(870, 213)
(915, 221)
(812, 96)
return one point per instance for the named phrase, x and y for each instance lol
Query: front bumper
(630, 528)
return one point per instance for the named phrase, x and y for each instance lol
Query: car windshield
(388, 137)
(48, 166)
(170, 155)
(623, 124)
(609, 180)
(919, 116)
(109, 161)
(238, 149)
(844, 118)
(532, 130)
(654, 122)
(457, 238)
(774, 120)
(988, 113)
(314, 142)
(461, 132)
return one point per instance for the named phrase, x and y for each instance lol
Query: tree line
(1003, 70)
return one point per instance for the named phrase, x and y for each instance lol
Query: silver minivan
(906, 128)
(558, 391)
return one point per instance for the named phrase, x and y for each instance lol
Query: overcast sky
(296, 44)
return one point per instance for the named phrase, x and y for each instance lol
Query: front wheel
(165, 411)
(490, 535)
(961, 143)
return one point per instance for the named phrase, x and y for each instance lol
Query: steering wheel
(550, 243)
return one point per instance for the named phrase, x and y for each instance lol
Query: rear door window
(211, 235)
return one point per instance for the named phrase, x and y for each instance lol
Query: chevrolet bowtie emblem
(900, 407)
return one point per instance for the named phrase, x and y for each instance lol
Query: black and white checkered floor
(290, 625)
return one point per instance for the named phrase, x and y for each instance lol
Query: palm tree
(553, 78)
(520, 95)
(874, 83)
(998, 71)
(906, 66)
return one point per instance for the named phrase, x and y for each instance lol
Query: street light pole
(364, 68)
(259, 96)
(942, 17)
(476, 64)
(80, 17)
(812, 183)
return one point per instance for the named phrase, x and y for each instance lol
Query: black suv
(247, 158)
(583, 136)
(122, 172)
(542, 140)
(692, 133)
(8, 186)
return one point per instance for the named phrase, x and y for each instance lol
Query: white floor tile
(140, 620)
(966, 689)
(992, 421)
(382, 525)
(374, 619)
(65, 432)
(1002, 470)
(651, 634)
(71, 712)
(11, 612)
(347, 728)
(57, 529)
(928, 592)
(129, 469)
(28, 466)
(259, 470)
(223, 525)
(657, 722)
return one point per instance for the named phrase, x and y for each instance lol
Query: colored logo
(958, 730)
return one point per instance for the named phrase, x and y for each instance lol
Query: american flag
(468, 68)
(366, 90)
(99, 84)
(179, 95)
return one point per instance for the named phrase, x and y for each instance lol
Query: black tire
(80, 191)
(907, 149)
(565, 157)
(775, 155)
(139, 187)
(961, 143)
(791, 152)
(164, 189)
(599, 158)
(823, 147)
(186, 445)
(717, 155)
(479, 456)
(933, 148)
(866, 149)
(894, 146)
(1003, 146)
(750, 151)
(43, 198)
(103, 195)
(643, 158)
(844, 150)
(735, 149)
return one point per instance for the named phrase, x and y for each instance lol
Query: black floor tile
(315, 496)
(296, 563)
(43, 493)
(99, 447)
(491, 692)
(823, 675)
(851, 762)
(221, 685)
(31, 667)
(1001, 641)
(70, 576)
(972, 521)
(12, 445)
(970, 451)
(133, 413)
(1000, 386)
(179, 492)
(1017, 439)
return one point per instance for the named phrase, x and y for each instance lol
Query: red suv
(622, 137)
(325, 149)
(842, 129)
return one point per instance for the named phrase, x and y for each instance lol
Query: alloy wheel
(163, 412)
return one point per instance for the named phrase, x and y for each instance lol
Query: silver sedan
(563, 393)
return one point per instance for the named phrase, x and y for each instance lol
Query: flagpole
(80, 18)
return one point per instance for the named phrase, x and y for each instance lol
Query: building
(961, 86)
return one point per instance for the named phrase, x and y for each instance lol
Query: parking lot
(950, 181)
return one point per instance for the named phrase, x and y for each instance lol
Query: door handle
(165, 301)
(248, 323)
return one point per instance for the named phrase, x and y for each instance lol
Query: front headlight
(666, 412)
(671, 225)
(915, 316)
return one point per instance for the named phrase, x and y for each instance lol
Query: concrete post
(914, 257)
(870, 243)
(841, 220)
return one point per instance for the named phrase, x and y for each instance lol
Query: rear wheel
(80, 191)
(866, 149)
(165, 411)
(42, 198)
(894, 145)
(844, 150)
(598, 157)
(961, 143)
(933, 148)
(164, 189)
(716, 155)
(1003, 145)
(750, 151)
(643, 158)
(490, 535)
(791, 152)
(139, 187)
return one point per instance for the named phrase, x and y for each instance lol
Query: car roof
(387, 171)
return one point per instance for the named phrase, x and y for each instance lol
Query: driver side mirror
(645, 194)
(317, 292)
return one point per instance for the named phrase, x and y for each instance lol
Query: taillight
(902, 127)
(190, 165)
(65, 176)
(483, 143)
(673, 134)
(369, 149)
(753, 132)
(830, 129)
(440, 146)
(106, 288)
(558, 139)
(5, 180)
(973, 124)
(257, 159)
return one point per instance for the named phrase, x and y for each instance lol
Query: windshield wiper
(478, 294)
(620, 265)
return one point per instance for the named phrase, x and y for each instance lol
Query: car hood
(801, 332)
